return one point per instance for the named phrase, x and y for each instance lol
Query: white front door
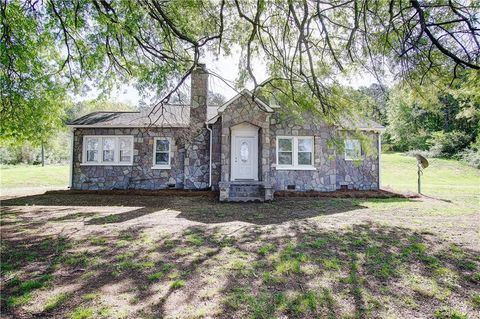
(245, 157)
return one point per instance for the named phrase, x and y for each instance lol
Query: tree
(307, 44)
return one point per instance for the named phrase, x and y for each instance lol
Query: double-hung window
(107, 150)
(295, 152)
(353, 150)
(162, 154)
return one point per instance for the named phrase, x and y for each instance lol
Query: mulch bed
(140, 192)
(346, 194)
(213, 194)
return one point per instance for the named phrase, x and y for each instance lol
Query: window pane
(125, 156)
(125, 150)
(284, 145)
(353, 149)
(163, 146)
(108, 149)
(285, 158)
(305, 158)
(92, 156)
(92, 143)
(305, 145)
(161, 158)
(92, 149)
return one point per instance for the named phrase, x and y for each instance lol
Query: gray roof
(168, 116)
(177, 115)
(359, 123)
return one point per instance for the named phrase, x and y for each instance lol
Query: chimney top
(201, 66)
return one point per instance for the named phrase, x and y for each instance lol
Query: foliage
(447, 144)
(444, 122)
(53, 47)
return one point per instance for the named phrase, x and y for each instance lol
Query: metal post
(419, 172)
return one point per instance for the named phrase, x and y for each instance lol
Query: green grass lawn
(448, 179)
(85, 256)
(33, 176)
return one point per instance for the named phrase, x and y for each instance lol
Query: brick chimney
(199, 91)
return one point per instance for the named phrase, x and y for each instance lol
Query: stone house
(245, 148)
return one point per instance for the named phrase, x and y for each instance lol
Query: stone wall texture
(323, 178)
(362, 174)
(190, 157)
(140, 175)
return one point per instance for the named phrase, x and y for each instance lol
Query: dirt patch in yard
(91, 255)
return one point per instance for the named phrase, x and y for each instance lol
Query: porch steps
(246, 199)
(246, 192)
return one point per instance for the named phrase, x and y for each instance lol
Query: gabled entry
(244, 156)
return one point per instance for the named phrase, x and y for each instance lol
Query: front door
(245, 157)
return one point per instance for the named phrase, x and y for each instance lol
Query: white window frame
(100, 161)
(295, 165)
(170, 153)
(348, 158)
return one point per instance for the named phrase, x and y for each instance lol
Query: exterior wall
(323, 178)
(362, 174)
(140, 175)
(190, 165)
(216, 153)
(245, 110)
(197, 160)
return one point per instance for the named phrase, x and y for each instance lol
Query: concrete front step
(246, 190)
(246, 199)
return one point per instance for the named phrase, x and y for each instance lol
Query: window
(92, 149)
(125, 149)
(295, 152)
(108, 150)
(353, 150)
(162, 153)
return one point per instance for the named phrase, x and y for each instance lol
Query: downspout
(70, 184)
(210, 159)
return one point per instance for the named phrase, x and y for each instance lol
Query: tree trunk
(43, 155)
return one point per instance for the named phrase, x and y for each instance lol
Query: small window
(162, 153)
(305, 151)
(125, 150)
(285, 151)
(108, 150)
(295, 152)
(92, 149)
(353, 149)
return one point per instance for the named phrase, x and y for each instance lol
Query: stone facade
(363, 174)
(140, 175)
(190, 153)
(323, 178)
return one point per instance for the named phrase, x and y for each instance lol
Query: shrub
(448, 144)
(471, 155)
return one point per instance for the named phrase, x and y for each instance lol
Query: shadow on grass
(300, 271)
(199, 209)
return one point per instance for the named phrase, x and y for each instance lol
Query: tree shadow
(205, 210)
(297, 271)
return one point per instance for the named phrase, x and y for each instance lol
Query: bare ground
(90, 255)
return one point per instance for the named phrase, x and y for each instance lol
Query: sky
(225, 66)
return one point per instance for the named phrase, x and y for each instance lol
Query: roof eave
(125, 126)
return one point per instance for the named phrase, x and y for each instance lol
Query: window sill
(161, 167)
(295, 168)
(106, 164)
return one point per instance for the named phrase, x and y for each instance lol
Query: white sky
(227, 67)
